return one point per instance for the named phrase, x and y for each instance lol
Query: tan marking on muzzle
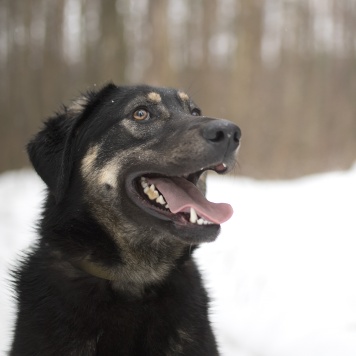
(108, 174)
(155, 97)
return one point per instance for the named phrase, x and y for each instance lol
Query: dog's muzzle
(171, 193)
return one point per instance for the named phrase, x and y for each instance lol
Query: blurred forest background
(284, 70)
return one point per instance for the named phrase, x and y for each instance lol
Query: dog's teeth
(152, 187)
(193, 216)
(202, 221)
(151, 193)
(144, 184)
(167, 206)
(160, 200)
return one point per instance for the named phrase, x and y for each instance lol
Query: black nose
(223, 134)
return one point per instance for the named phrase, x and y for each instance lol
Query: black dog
(112, 273)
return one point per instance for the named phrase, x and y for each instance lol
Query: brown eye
(141, 114)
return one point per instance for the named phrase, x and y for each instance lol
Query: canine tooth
(200, 221)
(160, 200)
(193, 216)
(152, 187)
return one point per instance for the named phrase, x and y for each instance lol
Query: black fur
(111, 275)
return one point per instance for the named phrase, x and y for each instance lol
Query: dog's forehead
(158, 95)
(164, 99)
(171, 94)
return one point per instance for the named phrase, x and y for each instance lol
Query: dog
(112, 272)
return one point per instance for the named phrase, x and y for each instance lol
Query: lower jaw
(196, 235)
(181, 228)
(177, 226)
(180, 219)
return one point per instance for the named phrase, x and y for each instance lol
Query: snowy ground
(282, 273)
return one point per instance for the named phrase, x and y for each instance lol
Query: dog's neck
(95, 270)
(134, 260)
(133, 277)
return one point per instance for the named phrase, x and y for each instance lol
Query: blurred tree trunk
(159, 69)
(111, 49)
(208, 77)
(245, 72)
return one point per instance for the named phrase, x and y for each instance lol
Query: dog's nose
(222, 133)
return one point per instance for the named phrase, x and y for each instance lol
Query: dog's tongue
(181, 195)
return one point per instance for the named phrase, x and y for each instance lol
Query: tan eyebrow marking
(155, 97)
(183, 95)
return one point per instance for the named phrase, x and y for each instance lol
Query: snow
(282, 274)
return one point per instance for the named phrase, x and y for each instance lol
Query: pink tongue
(181, 195)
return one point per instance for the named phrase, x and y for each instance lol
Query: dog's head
(135, 156)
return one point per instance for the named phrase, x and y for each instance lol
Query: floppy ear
(50, 151)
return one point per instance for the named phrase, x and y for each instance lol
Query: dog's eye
(141, 114)
(196, 112)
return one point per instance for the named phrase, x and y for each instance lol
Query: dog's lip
(219, 167)
(164, 214)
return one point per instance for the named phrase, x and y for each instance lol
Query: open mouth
(178, 199)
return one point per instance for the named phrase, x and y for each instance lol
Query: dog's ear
(50, 151)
